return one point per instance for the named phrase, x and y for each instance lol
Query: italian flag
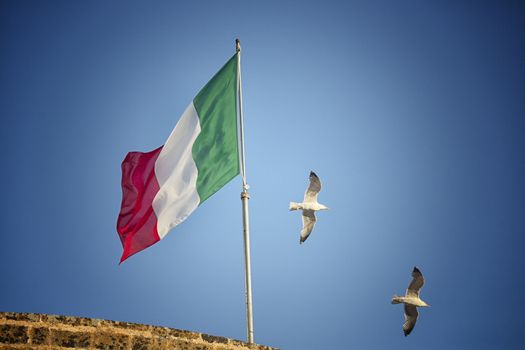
(161, 188)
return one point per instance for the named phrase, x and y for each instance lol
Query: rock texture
(51, 332)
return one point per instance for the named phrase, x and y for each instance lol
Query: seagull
(411, 301)
(309, 206)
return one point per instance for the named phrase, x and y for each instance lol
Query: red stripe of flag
(137, 222)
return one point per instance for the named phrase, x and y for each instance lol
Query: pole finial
(237, 45)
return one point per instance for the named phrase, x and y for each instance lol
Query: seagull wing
(308, 224)
(411, 315)
(415, 285)
(313, 189)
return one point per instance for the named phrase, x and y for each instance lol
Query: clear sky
(412, 113)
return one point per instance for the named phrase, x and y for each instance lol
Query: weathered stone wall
(38, 332)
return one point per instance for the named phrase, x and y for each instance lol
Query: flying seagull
(411, 301)
(309, 206)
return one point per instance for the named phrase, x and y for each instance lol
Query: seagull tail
(294, 206)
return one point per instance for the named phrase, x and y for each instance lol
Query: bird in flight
(309, 206)
(411, 301)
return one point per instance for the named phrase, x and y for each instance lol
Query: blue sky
(412, 114)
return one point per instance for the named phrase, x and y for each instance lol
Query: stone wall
(38, 332)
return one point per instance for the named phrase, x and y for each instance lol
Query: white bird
(309, 206)
(411, 301)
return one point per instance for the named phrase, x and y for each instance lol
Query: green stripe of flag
(215, 149)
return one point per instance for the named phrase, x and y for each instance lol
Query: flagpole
(245, 196)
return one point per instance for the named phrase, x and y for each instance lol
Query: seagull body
(411, 301)
(309, 206)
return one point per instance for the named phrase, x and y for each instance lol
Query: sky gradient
(412, 114)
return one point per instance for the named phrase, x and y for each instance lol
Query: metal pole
(245, 196)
